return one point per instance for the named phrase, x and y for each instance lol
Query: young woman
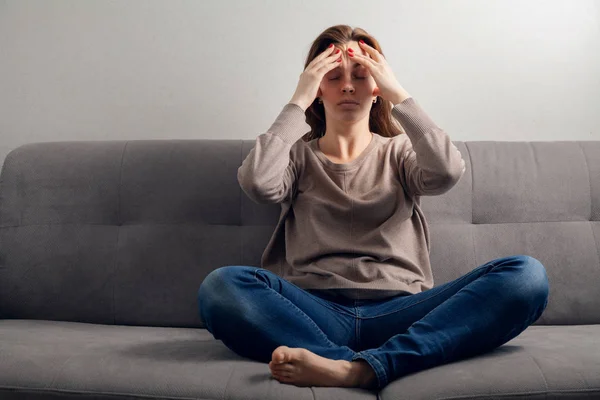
(344, 296)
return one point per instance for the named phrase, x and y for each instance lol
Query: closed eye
(335, 79)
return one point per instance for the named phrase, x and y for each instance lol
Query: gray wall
(519, 70)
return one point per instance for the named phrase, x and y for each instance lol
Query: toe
(283, 375)
(285, 368)
(280, 354)
(279, 376)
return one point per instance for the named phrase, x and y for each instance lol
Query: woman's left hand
(388, 86)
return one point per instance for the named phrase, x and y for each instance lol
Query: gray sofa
(103, 246)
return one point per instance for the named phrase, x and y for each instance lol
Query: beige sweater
(356, 229)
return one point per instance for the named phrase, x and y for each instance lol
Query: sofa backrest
(124, 232)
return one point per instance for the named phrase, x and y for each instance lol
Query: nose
(347, 87)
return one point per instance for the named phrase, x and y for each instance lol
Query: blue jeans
(254, 311)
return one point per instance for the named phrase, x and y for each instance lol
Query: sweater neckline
(347, 166)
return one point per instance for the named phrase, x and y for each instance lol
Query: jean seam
(302, 313)
(357, 329)
(377, 367)
(426, 299)
(325, 304)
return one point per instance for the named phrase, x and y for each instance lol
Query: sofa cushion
(124, 232)
(54, 358)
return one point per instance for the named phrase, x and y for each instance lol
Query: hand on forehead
(350, 62)
(352, 45)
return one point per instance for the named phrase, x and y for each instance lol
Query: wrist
(299, 104)
(400, 96)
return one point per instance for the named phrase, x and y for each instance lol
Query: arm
(267, 174)
(430, 164)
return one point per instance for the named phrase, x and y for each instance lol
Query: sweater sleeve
(430, 164)
(268, 174)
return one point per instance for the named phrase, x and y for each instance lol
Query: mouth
(348, 102)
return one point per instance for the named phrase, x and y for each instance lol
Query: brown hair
(380, 119)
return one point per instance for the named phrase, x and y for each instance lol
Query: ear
(319, 93)
(376, 91)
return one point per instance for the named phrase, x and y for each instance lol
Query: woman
(345, 294)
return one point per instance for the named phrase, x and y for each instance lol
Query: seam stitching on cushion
(241, 215)
(538, 367)
(195, 223)
(587, 167)
(227, 384)
(472, 182)
(23, 389)
(119, 224)
(62, 367)
(472, 206)
(519, 393)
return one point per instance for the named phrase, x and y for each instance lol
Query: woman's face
(350, 80)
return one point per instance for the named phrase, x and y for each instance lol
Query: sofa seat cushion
(543, 362)
(53, 359)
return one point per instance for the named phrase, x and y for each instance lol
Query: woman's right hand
(311, 78)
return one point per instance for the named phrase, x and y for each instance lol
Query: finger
(324, 58)
(364, 60)
(329, 63)
(371, 51)
(330, 51)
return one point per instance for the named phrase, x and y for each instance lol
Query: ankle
(364, 375)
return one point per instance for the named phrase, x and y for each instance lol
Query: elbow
(458, 173)
(452, 179)
(260, 195)
(445, 184)
(253, 194)
(248, 187)
(455, 174)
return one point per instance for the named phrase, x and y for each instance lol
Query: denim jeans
(253, 311)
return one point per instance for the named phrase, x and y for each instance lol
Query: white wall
(519, 70)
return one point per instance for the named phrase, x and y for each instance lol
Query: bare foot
(302, 367)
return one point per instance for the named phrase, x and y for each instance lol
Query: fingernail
(331, 45)
(350, 49)
(362, 41)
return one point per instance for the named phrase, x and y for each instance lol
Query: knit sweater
(354, 230)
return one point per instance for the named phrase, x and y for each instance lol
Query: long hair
(380, 118)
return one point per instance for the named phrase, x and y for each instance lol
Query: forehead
(355, 66)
